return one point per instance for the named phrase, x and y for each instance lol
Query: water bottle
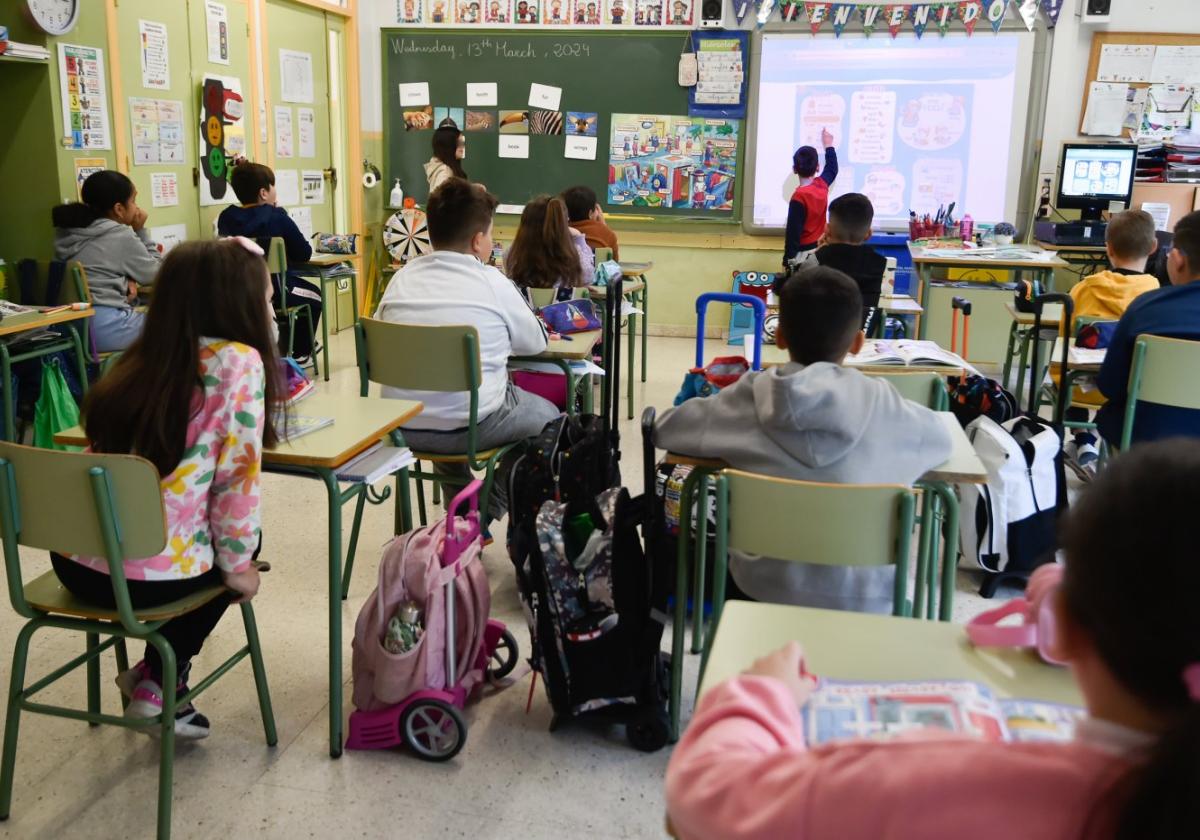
(396, 199)
(968, 228)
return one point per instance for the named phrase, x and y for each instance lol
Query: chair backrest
(417, 357)
(276, 256)
(1163, 372)
(72, 289)
(842, 525)
(77, 503)
(542, 297)
(603, 255)
(924, 387)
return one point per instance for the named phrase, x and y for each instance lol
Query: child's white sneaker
(145, 702)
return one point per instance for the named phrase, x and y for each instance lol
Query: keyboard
(1079, 241)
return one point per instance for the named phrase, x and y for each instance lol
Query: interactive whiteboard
(917, 123)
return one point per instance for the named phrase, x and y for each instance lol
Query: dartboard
(405, 234)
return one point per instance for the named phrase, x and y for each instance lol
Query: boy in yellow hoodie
(1130, 241)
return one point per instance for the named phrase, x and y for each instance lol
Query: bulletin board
(1099, 39)
(603, 74)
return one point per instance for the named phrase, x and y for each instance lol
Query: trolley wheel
(434, 730)
(649, 731)
(503, 659)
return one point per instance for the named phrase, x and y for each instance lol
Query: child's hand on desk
(787, 666)
(244, 584)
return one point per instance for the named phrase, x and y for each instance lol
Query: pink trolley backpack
(414, 697)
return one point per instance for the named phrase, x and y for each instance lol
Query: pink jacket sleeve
(234, 514)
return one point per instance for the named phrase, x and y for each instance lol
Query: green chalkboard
(599, 72)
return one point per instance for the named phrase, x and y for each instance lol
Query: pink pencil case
(1037, 628)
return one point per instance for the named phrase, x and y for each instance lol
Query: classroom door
(297, 66)
(154, 64)
(224, 53)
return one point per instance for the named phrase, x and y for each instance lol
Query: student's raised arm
(830, 172)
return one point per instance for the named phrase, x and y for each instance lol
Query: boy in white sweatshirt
(813, 420)
(455, 285)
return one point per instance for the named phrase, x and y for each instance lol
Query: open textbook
(840, 710)
(906, 353)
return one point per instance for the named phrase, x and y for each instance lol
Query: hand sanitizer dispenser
(396, 199)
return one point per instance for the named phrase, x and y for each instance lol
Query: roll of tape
(370, 179)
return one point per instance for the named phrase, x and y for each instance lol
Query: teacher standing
(449, 149)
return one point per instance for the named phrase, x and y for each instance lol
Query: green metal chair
(842, 525)
(424, 358)
(277, 266)
(1163, 372)
(924, 387)
(103, 506)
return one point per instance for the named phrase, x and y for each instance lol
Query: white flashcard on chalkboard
(580, 148)
(414, 93)
(544, 96)
(514, 146)
(482, 93)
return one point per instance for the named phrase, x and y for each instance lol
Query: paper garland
(940, 13)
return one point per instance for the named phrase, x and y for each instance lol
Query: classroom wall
(687, 265)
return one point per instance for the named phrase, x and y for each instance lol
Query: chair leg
(93, 677)
(260, 675)
(403, 518)
(701, 507)
(421, 496)
(12, 721)
(122, 663)
(349, 567)
(166, 755)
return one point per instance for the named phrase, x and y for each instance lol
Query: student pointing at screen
(810, 201)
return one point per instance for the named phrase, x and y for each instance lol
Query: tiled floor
(513, 778)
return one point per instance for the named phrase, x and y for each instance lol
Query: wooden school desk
(856, 646)
(1042, 265)
(630, 290)
(14, 325)
(561, 352)
(358, 423)
(962, 467)
(322, 264)
(1020, 334)
(1086, 259)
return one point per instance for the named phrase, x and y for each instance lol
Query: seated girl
(195, 395)
(106, 233)
(1130, 633)
(547, 253)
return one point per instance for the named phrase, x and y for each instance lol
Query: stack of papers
(1086, 355)
(20, 50)
(376, 463)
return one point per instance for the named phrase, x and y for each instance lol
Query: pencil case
(336, 243)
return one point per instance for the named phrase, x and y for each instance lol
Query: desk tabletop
(1038, 259)
(902, 304)
(1093, 363)
(28, 321)
(570, 348)
(856, 646)
(326, 260)
(1071, 249)
(1051, 314)
(358, 423)
(634, 269)
(962, 467)
(627, 288)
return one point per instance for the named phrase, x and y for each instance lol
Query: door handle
(331, 175)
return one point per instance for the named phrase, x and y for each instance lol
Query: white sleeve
(525, 330)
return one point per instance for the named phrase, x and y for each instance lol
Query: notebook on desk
(299, 425)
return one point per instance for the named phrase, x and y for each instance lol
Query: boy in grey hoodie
(106, 233)
(813, 420)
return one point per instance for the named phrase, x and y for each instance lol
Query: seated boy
(844, 248)
(258, 218)
(1130, 241)
(1173, 312)
(584, 214)
(814, 420)
(455, 285)
(809, 203)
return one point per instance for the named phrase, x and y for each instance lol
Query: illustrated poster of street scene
(672, 162)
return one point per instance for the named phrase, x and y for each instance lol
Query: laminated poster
(526, 12)
(497, 11)
(587, 12)
(619, 12)
(648, 13)
(84, 97)
(408, 11)
(658, 161)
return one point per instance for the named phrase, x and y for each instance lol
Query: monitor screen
(1096, 174)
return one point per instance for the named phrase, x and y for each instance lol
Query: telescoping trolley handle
(760, 318)
(1068, 315)
(958, 304)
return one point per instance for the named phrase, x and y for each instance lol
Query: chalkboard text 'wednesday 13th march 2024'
(515, 48)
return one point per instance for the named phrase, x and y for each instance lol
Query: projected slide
(916, 124)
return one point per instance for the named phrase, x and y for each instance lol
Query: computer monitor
(1095, 174)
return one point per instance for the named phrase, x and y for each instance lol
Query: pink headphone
(1038, 629)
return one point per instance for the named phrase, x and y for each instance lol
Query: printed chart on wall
(672, 161)
(915, 125)
(222, 136)
(84, 98)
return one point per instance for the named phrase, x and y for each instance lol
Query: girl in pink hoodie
(1132, 640)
